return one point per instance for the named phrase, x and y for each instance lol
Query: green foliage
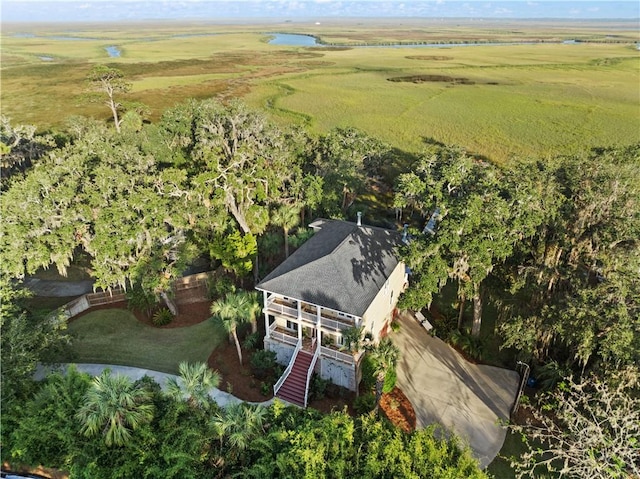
(26, 339)
(139, 299)
(389, 381)
(317, 387)
(220, 286)
(550, 374)
(235, 251)
(471, 345)
(300, 237)
(252, 341)
(263, 363)
(114, 406)
(44, 433)
(352, 338)
(574, 284)
(235, 309)
(368, 373)
(162, 317)
(364, 403)
(194, 385)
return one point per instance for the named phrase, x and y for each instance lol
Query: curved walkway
(220, 397)
(468, 399)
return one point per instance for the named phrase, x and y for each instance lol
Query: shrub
(317, 387)
(266, 389)
(139, 299)
(302, 235)
(251, 341)
(395, 326)
(262, 363)
(365, 403)
(389, 381)
(368, 376)
(162, 317)
(219, 287)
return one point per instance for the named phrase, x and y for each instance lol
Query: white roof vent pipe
(359, 223)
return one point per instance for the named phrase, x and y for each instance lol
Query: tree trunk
(232, 206)
(286, 242)
(463, 301)
(379, 387)
(169, 302)
(477, 310)
(235, 338)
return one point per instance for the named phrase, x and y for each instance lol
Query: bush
(302, 235)
(263, 363)
(471, 345)
(219, 287)
(162, 317)
(368, 376)
(252, 341)
(365, 403)
(317, 387)
(140, 300)
(395, 326)
(389, 381)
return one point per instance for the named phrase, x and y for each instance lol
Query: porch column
(318, 325)
(266, 315)
(299, 320)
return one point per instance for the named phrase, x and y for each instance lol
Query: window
(292, 326)
(340, 340)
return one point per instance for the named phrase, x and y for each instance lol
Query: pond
(113, 51)
(293, 40)
(299, 40)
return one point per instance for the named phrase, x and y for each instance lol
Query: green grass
(115, 336)
(526, 100)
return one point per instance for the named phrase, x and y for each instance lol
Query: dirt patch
(237, 379)
(188, 314)
(437, 58)
(399, 410)
(433, 78)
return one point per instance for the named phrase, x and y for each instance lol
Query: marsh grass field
(498, 101)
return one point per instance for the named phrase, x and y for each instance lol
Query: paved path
(220, 397)
(47, 287)
(444, 388)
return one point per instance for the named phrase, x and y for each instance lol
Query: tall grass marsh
(498, 101)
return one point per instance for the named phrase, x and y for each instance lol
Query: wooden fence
(187, 289)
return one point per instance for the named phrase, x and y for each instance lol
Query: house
(347, 275)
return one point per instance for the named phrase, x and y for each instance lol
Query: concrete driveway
(444, 388)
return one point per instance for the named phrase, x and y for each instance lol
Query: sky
(128, 10)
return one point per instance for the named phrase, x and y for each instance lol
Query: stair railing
(312, 366)
(285, 374)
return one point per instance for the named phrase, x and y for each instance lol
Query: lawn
(517, 100)
(115, 336)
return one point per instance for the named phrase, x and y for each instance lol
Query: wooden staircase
(294, 387)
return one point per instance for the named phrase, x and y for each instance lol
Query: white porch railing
(272, 305)
(283, 378)
(283, 338)
(312, 366)
(338, 355)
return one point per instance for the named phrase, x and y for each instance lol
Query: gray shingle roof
(342, 267)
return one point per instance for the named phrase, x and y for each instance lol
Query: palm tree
(238, 424)
(385, 357)
(195, 383)
(234, 309)
(288, 217)
(114, 406)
